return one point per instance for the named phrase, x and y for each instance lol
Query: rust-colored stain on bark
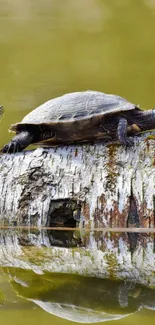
(85, 211)
(113, 218)
(131, 216)
(147, 144)
(146, 217)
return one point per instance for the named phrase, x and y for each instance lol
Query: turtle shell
(76, 106)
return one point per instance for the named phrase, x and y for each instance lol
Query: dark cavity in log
(133, 222)
(64, 213)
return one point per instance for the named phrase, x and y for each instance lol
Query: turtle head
(1, 111)
(153, 113)
(148, 122)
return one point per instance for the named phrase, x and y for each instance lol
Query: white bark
(103, 179)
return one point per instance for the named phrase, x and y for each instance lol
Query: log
(82, 188)
(96, 185)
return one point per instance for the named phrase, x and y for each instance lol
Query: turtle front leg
(122, 133)
(18, 143)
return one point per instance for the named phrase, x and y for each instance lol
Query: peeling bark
(100, 185)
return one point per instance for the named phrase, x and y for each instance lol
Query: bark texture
(100, 185)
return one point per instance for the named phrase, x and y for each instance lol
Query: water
(48, 48)
(52, 47)
(45, 281)
(73, 298)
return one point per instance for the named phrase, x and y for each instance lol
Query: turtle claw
(11, 147)
(129, 142)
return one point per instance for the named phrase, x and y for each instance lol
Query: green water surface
(27, 297)
(50, 47)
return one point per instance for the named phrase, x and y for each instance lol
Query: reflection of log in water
(94, 184)
(81, 299)
(97, 254)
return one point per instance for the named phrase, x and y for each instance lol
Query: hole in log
(64, 214)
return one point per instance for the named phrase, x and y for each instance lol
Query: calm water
(50, 47)
(28, 297)
(33, 286)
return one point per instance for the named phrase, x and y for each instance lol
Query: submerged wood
(102, 185)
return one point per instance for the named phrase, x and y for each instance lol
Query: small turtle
(78, 117)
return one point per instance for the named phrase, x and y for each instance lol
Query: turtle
(78, 117)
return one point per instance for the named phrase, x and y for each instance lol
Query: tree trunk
(101, 186)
